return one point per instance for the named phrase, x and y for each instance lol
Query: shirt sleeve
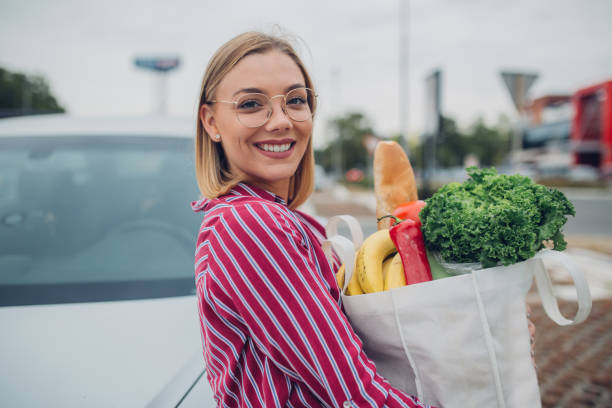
(266, 265)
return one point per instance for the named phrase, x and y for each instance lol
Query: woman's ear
(208, 121)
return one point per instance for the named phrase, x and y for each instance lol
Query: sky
(86, 49)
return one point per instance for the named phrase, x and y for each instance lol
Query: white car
(97, 240)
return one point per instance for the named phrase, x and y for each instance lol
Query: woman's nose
(279, 120)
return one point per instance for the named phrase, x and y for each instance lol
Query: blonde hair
(212, 169)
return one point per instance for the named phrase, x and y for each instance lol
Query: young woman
(273, 329)
(272, 325)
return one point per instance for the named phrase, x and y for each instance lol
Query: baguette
(394, 182)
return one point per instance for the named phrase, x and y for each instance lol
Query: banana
(368, 266)
(394, 278)
(353, 287)
(340, 276)
(385, 267)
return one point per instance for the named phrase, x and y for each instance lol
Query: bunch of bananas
(378, 266)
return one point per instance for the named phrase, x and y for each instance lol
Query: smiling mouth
(266, 147)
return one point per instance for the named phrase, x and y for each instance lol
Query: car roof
(69, 125)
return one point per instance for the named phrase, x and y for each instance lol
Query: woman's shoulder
(250, 210)
(314, 223)
(230, 207)
(239, 197)
(246, 213)
(252, 228)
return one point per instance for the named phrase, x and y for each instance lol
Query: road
(593, 215)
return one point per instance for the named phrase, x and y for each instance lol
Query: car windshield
(96, 218)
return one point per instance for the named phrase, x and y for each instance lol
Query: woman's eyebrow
(294, 86)
(248, 90)
(257, 90)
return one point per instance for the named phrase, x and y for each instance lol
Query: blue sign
(157, 64)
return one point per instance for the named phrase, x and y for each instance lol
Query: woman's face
(248, 149)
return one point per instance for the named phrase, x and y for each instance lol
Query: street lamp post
(162, 66)
(433, 127)
(403, 16)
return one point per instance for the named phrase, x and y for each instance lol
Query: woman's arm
(266, 267)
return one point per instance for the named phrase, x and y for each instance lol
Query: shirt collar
(242, 189)
(250, 190)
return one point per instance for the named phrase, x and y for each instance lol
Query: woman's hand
(532, 332)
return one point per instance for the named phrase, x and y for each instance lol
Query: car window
(96, 214)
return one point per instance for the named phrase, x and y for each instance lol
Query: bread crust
(394, 181)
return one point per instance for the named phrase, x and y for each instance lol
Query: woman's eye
(296, 101)
(249, 105)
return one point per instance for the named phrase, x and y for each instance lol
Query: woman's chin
(279, 172)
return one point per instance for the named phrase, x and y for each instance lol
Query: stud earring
(217, 136)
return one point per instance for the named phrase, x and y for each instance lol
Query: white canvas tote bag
(461, 341)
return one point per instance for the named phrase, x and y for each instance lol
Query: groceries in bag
(401, 248)
(490, 219)
(395, 188)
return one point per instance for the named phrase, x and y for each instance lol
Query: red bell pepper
(408, 239)
(409, 210)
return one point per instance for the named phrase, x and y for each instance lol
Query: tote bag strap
(345, 248)
(488, 337)
(398, 325)
(545, 289)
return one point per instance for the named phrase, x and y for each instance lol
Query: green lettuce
(494, 218)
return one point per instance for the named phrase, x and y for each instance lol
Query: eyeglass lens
(255, 109)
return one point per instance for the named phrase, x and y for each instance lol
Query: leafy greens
(494, 218)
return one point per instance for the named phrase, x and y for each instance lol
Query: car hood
(105, 354)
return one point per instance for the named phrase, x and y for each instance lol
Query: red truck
(591, 132)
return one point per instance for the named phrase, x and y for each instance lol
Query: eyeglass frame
(283, 105)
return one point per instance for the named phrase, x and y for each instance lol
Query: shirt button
(347, 404)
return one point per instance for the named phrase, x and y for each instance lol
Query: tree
(415, 154)
(490, 145)
(21, 94)
(452, 147)
(347, 150)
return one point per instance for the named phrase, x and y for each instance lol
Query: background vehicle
(97, 239)
(592, 127)
(571, 135)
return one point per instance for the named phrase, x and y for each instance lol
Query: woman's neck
(280, 188)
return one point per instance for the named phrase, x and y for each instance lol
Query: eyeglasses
(255, 109)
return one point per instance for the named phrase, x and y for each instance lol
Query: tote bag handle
(545, 288)
(344, 247)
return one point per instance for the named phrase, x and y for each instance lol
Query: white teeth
(275, 148)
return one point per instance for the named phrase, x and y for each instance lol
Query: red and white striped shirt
(273, 329)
